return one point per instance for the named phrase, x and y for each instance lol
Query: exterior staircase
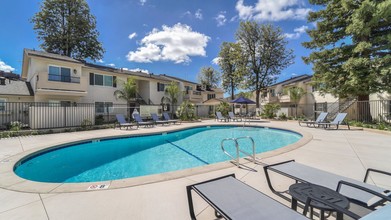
(340, 106)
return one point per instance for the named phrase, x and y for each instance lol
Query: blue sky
(173, 37)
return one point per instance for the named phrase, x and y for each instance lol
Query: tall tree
(209, 77)
(351, 47)
(127, 91)
(68, 28)
(295, 94)
(232, 66)
(264, 48)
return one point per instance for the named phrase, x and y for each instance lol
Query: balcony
(194, 96)
(285, 98)
(48, 84)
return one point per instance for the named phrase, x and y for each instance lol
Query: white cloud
(137, 70)
(176, 43)
(111, 64)
(220, 18)
(297, 32)
(142, 2)
(100, 61)
(132, 35)
(216, 60)
(6, 68)
(198, 14)
(266, 10)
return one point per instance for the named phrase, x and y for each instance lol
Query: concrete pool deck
(344, 152)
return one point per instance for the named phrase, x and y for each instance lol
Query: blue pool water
(119, 158)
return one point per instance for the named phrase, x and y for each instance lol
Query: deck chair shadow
(338, 120)
(140, 121)
(220, 117)
(320, 119)
(232, 116)
(361, 194)
(167, 118)
(123, 123)
(156, 119)
(224, 194)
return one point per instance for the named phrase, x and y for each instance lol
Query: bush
(224, 108)
(86, 124)
(270, 110)
(283, 116)
(99, 120)
(15, 125)
(186, 111)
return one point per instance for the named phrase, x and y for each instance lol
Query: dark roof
(293, 80)
(51, 56)
(176, 78)
(16, 87)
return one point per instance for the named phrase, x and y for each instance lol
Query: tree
(295, 94)
(127, 92)
(209, 77)
(68, 28)
(232, 66)
(186, 111)
(248, 95)
(351, 48)
(264, 49)
(172, 93)
(224, 108)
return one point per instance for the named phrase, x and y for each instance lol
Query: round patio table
(301, 191)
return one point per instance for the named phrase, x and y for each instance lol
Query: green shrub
(86, 124)
(270, 110)
(186, 111)
(224, 108)
(283, 116)
(99, 120)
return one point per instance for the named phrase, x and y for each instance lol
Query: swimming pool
(119, 158)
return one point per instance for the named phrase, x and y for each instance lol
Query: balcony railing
(66, 79)
(196, 93)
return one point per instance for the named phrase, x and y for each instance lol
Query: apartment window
(60, 74)
(187, 89)
(2, 105)
(211, 96)
(160, 87)
(103, 107)
(102, 80)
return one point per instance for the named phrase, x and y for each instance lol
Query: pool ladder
(238, 150)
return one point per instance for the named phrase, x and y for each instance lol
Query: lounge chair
(167, 118)
(123, 123)
(156, 119)
(337, 121)
(360, 193)
(220, 117)
(233, 117)
(233, 199)
(320, 119)
(140, 121)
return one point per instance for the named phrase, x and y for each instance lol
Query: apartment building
(278, 94)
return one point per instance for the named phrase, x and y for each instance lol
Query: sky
(173, 37)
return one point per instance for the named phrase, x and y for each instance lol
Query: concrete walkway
(344, 152)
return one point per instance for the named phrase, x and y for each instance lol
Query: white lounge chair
(338, 120)
(233, 199)
(320, 119)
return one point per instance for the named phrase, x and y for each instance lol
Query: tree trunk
(257, 92)
(296, 110)
(363, 109)
(232, 90)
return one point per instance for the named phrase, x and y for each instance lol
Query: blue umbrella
(242, 100)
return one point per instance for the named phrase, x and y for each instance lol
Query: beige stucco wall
(12, 98)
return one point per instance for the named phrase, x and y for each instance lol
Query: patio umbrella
(242, 100)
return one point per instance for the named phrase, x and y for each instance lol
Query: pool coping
(11, 181)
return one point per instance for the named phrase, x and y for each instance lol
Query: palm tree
(127, 92)
(172, 93)
(295, 94)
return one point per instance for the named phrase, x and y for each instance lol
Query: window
(160, 87)
(2, 105)
(61, 74)
(102, 80)
(211, 96)
(187, 89)
(103, 107)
